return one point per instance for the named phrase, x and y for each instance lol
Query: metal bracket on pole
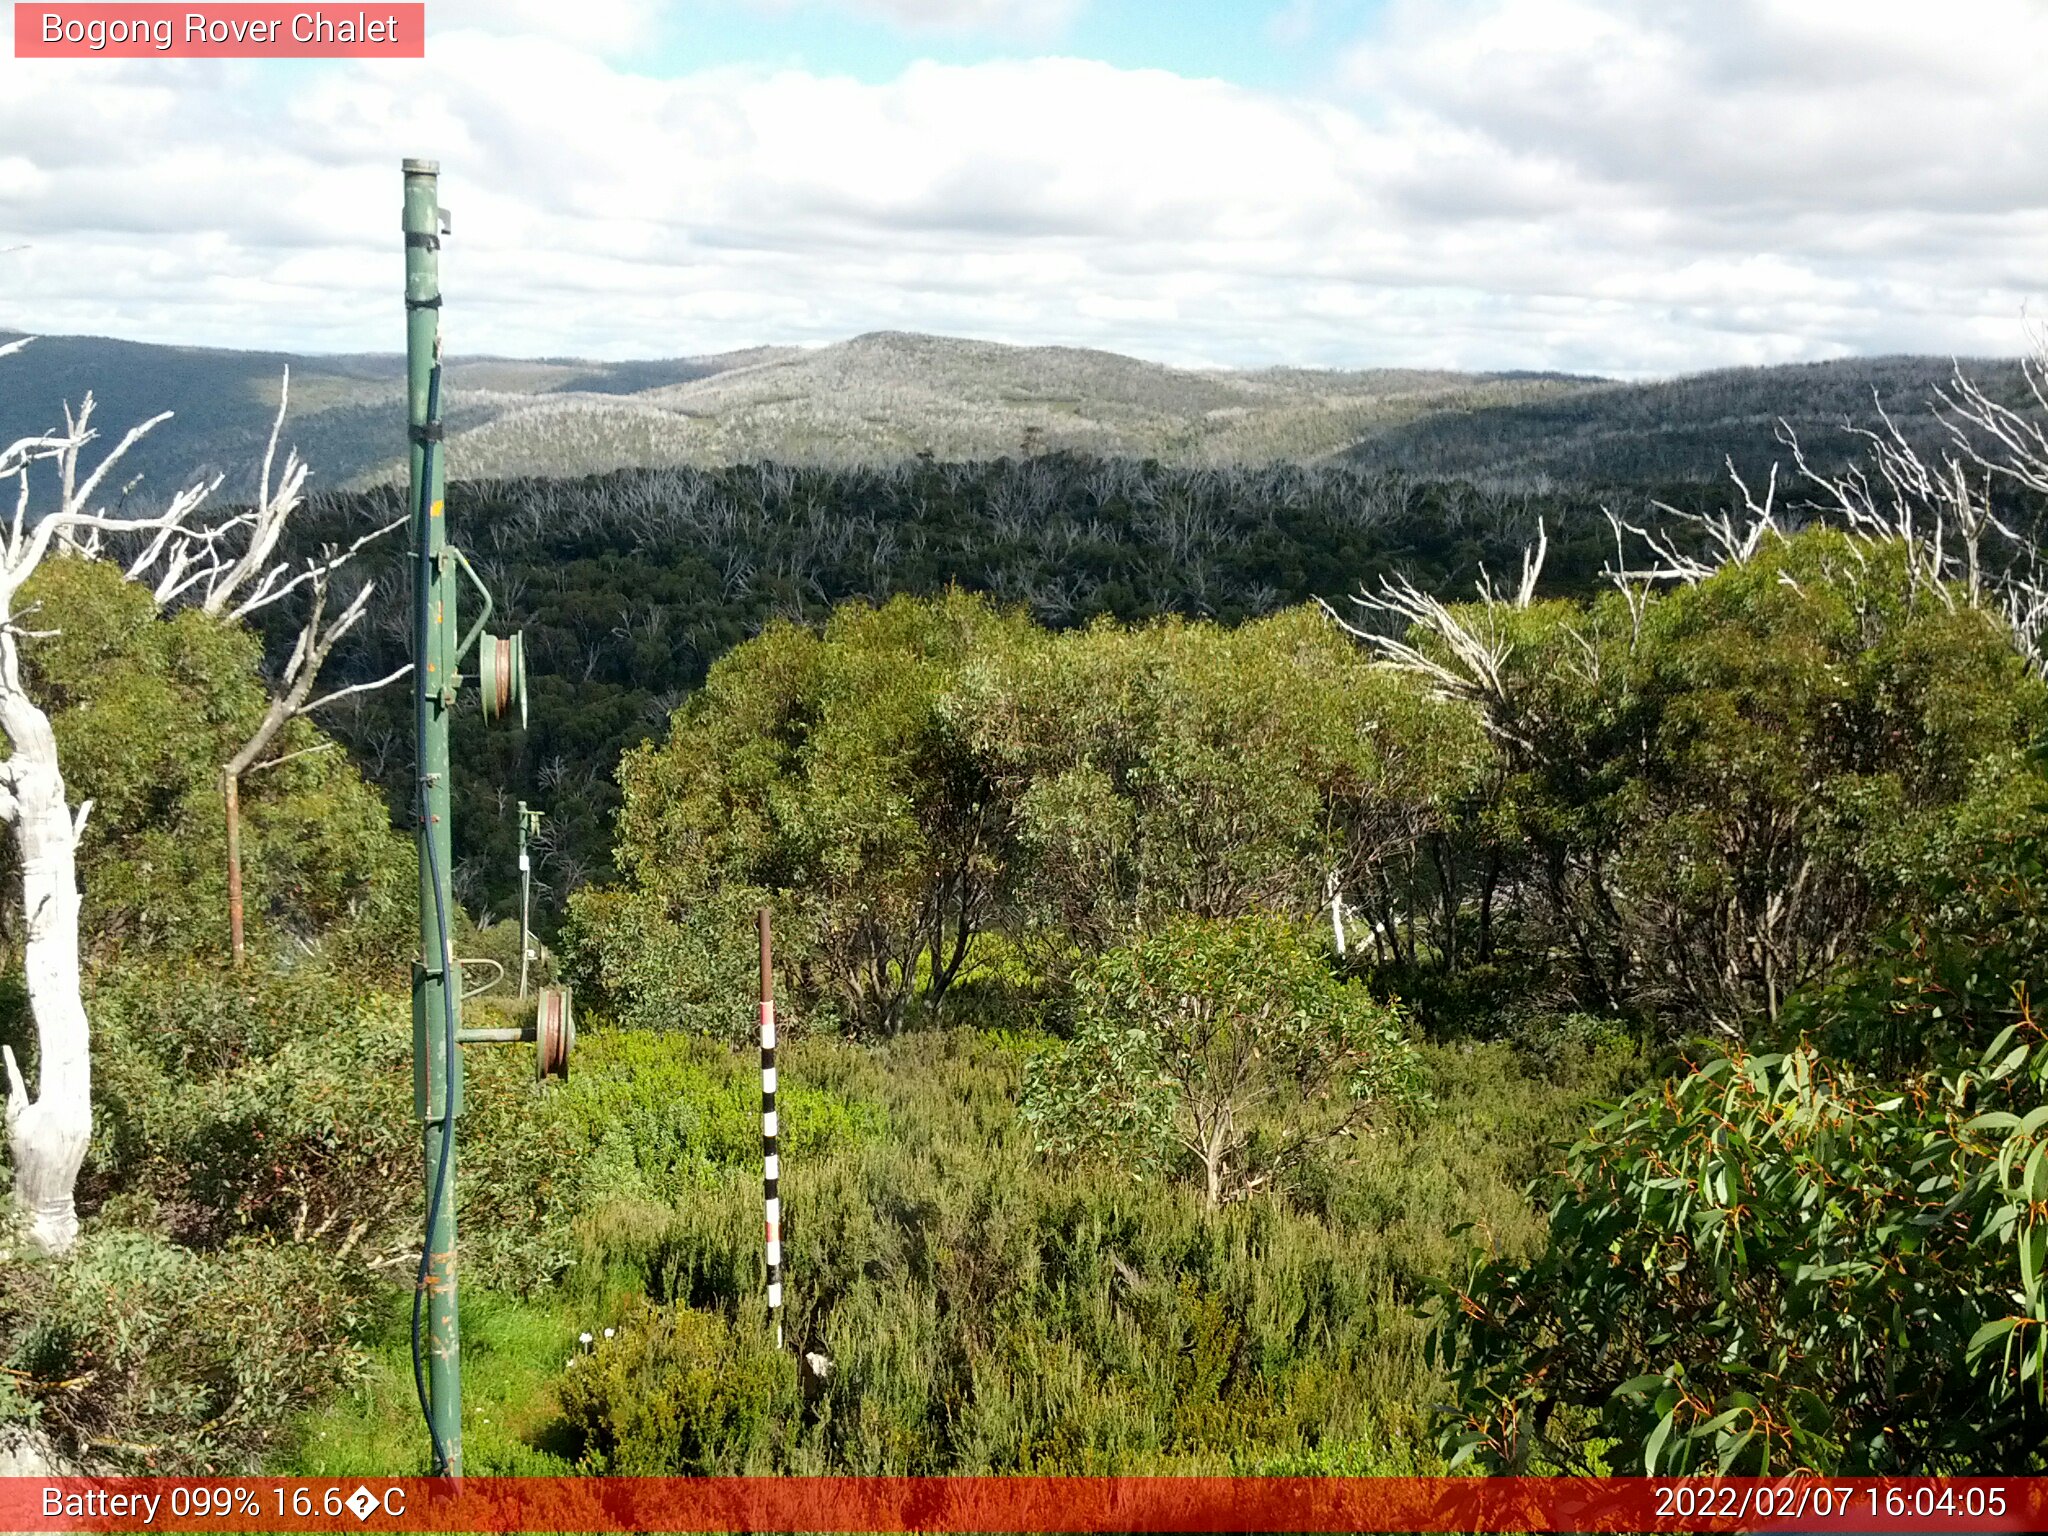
(476, 581)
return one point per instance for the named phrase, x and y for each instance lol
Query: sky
(1627, 187)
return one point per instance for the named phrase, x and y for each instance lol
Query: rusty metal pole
(231, 794)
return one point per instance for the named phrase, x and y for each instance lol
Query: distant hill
(890, 396)
(1678, 429)
(874, 399)
(347, 411)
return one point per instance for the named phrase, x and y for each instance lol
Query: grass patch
(513, 1354)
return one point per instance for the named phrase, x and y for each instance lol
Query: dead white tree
(48, 1131)
(1938, 509)
(1460, 651)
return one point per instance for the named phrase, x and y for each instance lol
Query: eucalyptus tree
(818, 769)
(1224, 1045)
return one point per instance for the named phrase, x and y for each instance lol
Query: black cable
(423, 632)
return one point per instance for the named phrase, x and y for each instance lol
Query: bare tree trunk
(1487, 886)
(231, 792)
(46, 1135)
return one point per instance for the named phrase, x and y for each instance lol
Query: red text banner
(1050, 1504)
(260, 31)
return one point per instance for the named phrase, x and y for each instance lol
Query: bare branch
(266, 594)
(279, 761)
(354, 688)
(76, 502)
(267, 525)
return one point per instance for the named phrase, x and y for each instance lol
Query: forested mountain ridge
(347, 410)
(890, 396)
(894, 395)
(1684, 428)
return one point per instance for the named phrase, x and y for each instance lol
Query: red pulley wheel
(554, 1032)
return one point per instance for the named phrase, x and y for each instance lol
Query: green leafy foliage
(1825, 1257)
(1768, 1266)
(147, 710)
(1709, 804)
(1185, 768)
(919, 779)
(655, 963)
(259, 1101)
(821, 769)
(1815, 736)
(989, 1310)
(149, 1356)
(1227, 1043)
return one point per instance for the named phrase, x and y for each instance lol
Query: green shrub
(142, 1354)
(679, 1391)
(261, 1100)
(1572, 1047)
(989, 1311)
(1228, 1044)
(1830, 1256)
(655, 965)
(820, 770)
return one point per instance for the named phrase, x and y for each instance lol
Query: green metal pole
(437, 1071)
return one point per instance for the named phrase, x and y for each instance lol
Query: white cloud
(1531, 183)
(1037, 19)
(608, 27)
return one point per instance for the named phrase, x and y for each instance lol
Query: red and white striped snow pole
(771, 1160)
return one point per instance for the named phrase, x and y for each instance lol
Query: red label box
(263, 31)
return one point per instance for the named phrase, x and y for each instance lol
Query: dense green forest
(629, 586)
(1580, 1023)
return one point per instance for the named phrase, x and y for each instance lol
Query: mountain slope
(891, 396)
(347, 415)
(1679, 429)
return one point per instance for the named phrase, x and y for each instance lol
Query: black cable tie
(430, 433)
(415, 241)
(433, 303)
